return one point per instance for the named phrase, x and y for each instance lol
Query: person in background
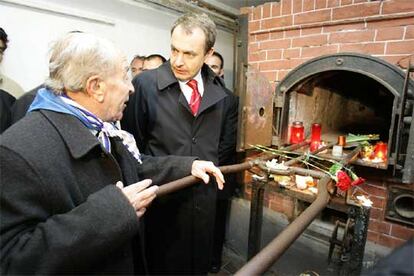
(183, 108)
(153, 61)
(137, 65)
(227, 157)
(216, 63)
(6, 83)
(75, 188)
(6, 102)
(22, 104)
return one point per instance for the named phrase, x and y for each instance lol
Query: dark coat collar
(76, 136)
(214, 90)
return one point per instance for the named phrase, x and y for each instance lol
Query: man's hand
(139, 195)
(201, 168)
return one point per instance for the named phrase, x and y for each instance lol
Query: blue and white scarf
(46, 99)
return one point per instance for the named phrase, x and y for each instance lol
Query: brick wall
(283, 35)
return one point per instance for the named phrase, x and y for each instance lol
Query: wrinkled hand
(201, 168)
(139, 195)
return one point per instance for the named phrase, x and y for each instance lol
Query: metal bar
(191, 180)
(256, 218)
(272, 252)
(400, 124)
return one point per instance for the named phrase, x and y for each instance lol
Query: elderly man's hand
(139, 195)
(201, 169)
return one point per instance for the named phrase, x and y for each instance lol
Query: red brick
(261, 37)
(402, 232)
(349, 37)
(308, 5)
(286, 6)
(253, 47)
(275, 9)
(318, 51)
(281, 74)
(275, 65)
(346, 2)
(379, 226)
(267, 9)
(309, 31)
(374, 190)
(377, 202)
(376, 213)
(320, 4)
(389, 241)
(257, 56)
(311, 17)
(274, 54)
(291, 53)
(277, 22)
(343, 27)
(254, 26)
(358, 10)
(373, 236)
(254, 65)
(275, 44)
(409, 33)
(277, 35)
(271, 75)
(333, 3)
(397, 6)
(393, 33)
(359, 1)
(257, 13)
(391, 23)
(313, 40)
(297, 7)
(400, 47)
(297, 61)
(292, 33)
(393, 59)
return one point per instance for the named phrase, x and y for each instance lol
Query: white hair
(76, 57)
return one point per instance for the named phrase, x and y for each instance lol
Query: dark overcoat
(159, 117)
(60, 210)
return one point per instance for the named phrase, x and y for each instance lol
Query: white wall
(136, 28)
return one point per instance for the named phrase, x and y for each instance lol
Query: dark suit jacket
(159, 117)
(60, 210)
(6, 102)
(22, 104)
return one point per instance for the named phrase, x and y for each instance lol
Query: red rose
(344, 181)
(358, 181)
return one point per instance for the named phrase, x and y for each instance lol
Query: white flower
(276, 166)
(301, 181)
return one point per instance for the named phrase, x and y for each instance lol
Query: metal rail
(272, 252)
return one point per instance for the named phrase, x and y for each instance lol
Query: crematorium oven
(349, 111)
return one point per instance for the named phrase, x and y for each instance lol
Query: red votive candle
(381, 150)
(316, 132)
(297, 133)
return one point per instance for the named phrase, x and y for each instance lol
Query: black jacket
(159, 117)
(60, 210)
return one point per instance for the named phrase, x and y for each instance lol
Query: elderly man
(73, 187)
(183, 108)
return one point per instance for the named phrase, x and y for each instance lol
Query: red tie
(195, 97)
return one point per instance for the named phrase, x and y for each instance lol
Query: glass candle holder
(381, 150)
(297, 132)
(337, 150)
(316, 132)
